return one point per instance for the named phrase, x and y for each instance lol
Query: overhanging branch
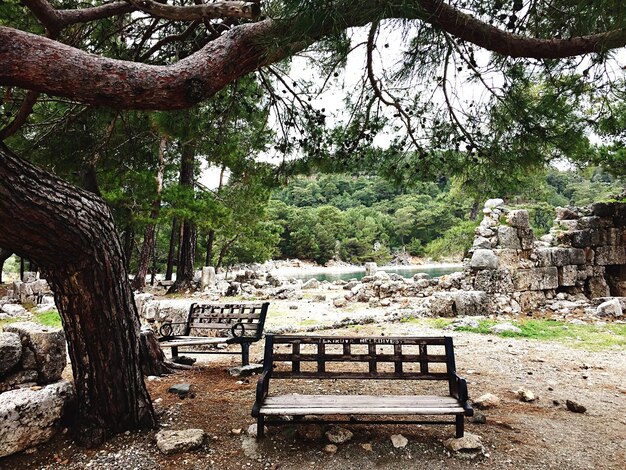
(226, 9)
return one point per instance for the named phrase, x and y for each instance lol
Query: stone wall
(33, 396)
(583, 256)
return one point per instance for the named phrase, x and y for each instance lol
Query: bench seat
(401, 359)
(192, 341)
(293, 404)
(228, 323)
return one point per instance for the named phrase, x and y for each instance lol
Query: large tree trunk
(209, 247)
(147, 248)
(188, 239)
(81, 257)
(4, 255)
(171, 257)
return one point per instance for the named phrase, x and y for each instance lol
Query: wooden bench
(228, 323)
(366, 358)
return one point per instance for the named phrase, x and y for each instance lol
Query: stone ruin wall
(583, 256)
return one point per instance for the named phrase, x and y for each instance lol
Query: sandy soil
(539, 435)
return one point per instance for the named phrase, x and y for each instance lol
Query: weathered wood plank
(413, 340)
(312, 357)
(360, 400)
(282, 374)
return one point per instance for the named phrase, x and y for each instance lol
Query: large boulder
(610, 308)
(10, 352)
(484, 259)
(518, 218)
(44, 349)
(507, 238)
(30, 417)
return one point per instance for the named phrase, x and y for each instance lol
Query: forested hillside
(367, 218)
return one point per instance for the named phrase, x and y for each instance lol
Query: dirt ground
(538, 435)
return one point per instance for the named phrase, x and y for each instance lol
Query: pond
(404, 271)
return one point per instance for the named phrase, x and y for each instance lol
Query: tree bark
(70, 234)
(188, 239)
(171, 253)
(4, 255)
(147, 248)
(129, 244)
(154, 362)
(209, 247)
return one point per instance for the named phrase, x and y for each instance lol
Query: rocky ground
(532, 435)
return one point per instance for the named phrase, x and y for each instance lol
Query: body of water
(404, 271)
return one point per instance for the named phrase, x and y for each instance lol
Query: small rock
(340, 302)
(399, 441)
(478, 418)
(368, 447)
(185, 360)
(236, 432)
(181, 389)
(339, 435)
(252, 430)
(330, 449)
(486, 401)
(468, 444)
(311, 284)
(170, 442)
(493, 203)
(244, 371)
(575, 407)
(525, 395)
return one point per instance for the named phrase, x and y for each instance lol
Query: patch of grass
(589, 337)
(439, 322)
(308, 322)
(51, 318)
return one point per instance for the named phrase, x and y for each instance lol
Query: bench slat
(190, 341)
(278, 374)
(413, 340)
(359, 404)
(359, 357)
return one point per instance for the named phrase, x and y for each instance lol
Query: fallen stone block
(44, 346)
(31, 417)
(171, 442)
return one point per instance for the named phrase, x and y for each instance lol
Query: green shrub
(454, 243)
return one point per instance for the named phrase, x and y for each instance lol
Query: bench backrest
(243, 320)
(333, 357)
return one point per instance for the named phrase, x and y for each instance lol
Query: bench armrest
(166, 330)
(262, 388)
(462, 395)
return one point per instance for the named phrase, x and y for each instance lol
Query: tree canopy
(548, 71)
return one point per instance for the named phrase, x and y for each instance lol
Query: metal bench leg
(174, 351)
(260, 427)
(245, 354)
(460, 421)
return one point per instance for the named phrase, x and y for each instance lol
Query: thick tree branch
(226, 9)
(36, 63)
(482, 34)
(22, 115)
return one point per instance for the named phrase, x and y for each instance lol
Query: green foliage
(454, 243)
